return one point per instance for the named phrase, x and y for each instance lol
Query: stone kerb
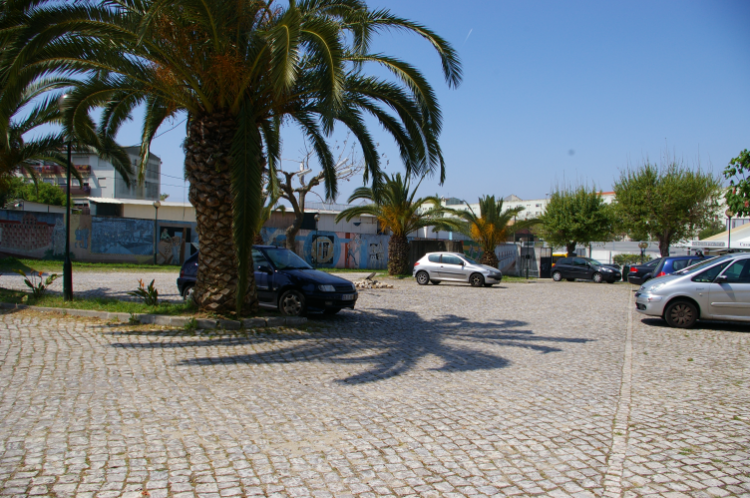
(171, 321)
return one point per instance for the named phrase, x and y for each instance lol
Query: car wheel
(331, 311)
(681, 314)
(435, 282)
(597, 278)
(557, 276)
(476, 280)
(187, 293)
(423, 278)
(292, 303)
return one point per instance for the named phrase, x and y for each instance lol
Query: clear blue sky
(564, 91)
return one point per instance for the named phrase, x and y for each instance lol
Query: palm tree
(397, 211)
(491, 227)
(238, 69)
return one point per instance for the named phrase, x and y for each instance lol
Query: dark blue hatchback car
(285, 281)
(671, 264)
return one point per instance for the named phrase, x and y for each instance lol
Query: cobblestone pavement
(518, 390)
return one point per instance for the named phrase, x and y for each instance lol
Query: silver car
(437, 267)
(715, 289)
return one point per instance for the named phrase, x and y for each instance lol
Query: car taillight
(553, 265)
(632, 270)
(661, 274)
(416, 264)
(182, 273)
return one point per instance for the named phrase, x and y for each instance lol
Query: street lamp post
(315, 240)
(157, 204)
(642, 246)
(729, 214)
(67, 266)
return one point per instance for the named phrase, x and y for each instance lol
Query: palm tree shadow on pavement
(391, 342)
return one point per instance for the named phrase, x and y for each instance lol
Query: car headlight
(606, 270)
(326, 288)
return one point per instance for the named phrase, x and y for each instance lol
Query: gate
(545, 262)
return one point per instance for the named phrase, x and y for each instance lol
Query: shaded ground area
(422, 391)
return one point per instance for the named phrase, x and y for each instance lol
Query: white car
(437, 267)
(715, 289)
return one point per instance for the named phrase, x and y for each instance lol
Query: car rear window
(564, 261)
(434, 258)
(680, 264)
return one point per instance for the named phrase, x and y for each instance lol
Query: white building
(101, 180)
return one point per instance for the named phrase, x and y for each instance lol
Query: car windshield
(284, 259)
(703, 264)
(594, 262)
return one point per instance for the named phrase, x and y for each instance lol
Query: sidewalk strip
(618, 452)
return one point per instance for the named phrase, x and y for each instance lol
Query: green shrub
(631, 259)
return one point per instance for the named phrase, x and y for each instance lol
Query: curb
(174, 321)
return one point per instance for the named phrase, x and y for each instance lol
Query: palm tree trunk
(398, 255)
(489, 258)
(571, 249)
(207, 165)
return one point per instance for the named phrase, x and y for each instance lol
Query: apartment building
(101, 180)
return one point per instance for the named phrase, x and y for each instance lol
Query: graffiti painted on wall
(122, 236)
(34, 235)
(335, 249)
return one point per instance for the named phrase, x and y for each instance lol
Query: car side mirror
(721, 279)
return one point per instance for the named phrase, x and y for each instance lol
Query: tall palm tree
(238, 68)
(491, 226)
(398, 211)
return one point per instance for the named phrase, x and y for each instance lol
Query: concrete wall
(94, 238)
(328, 249)
(128, 240)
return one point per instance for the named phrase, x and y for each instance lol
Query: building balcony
(76, 190)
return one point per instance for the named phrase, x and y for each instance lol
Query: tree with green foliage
(666, 204)
(41, 192)
(575, 216)
(238, 69)
(737, 195)
(399, 211)
(713, 228)
(490, 227)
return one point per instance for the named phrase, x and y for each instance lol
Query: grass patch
(96, 304)
(50, 266)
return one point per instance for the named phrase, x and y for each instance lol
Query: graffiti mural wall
(94, 238)
(323, 249)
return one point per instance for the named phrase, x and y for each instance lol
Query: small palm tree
(491, 227)
(397, 211)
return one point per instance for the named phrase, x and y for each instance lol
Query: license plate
(347, 297)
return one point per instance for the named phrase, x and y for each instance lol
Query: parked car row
(680, 289)
(713, 289)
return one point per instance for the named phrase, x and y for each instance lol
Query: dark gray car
(436, 267)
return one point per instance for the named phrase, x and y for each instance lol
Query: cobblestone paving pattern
(422, 391)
